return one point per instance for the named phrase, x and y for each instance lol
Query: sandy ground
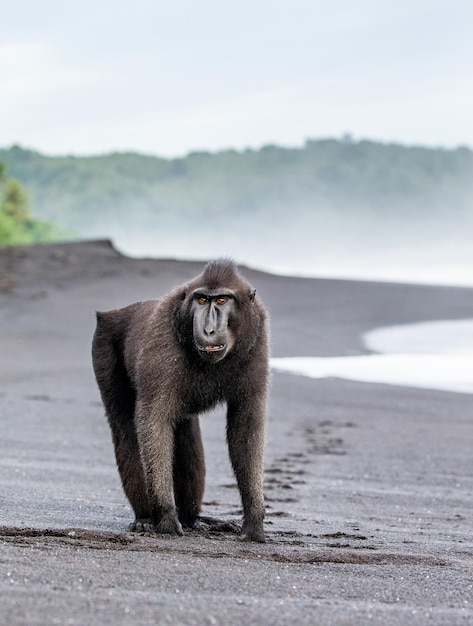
(368, 487)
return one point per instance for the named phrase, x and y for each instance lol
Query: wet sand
(368, 487)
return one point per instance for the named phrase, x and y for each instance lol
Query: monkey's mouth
(208, 349)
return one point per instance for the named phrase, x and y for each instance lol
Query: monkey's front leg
(156, 441)
(246, 441)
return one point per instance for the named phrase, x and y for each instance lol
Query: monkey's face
(212, 312)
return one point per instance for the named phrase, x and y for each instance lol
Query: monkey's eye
(201, 300)
(221, 300)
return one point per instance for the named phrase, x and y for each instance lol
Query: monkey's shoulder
(134, 315)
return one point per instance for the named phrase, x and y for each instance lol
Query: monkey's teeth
(212, 348)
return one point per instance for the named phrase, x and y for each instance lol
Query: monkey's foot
(214, 524)
(144, 525)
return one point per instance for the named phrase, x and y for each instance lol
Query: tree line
(93, 195)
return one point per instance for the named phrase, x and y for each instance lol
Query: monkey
(159, 364)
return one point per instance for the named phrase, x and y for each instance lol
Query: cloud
(236, 122)
(32, 73)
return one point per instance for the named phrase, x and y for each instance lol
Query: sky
(172, 76)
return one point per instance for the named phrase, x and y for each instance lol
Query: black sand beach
(368, 487)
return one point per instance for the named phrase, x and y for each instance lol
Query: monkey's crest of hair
(221, 272)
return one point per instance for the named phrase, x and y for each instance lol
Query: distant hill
(95, 195)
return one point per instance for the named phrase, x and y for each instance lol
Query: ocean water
(429, 355)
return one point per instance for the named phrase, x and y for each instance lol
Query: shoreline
(60, 249)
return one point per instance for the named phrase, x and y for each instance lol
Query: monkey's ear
(181, 293)
(252, 295)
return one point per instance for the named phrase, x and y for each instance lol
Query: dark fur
(154, 383)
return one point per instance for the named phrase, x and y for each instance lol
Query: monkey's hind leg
(188, 470)
(119, 400)
(131, 473)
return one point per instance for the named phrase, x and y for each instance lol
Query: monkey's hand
(252, 532)
(169, 525)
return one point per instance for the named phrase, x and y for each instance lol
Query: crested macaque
(158, 365)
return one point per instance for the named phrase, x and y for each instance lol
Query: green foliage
(15, 202)
(96, 196)
(17, 225)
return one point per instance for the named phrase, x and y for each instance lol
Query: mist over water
(335, 208)
(328, 246)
